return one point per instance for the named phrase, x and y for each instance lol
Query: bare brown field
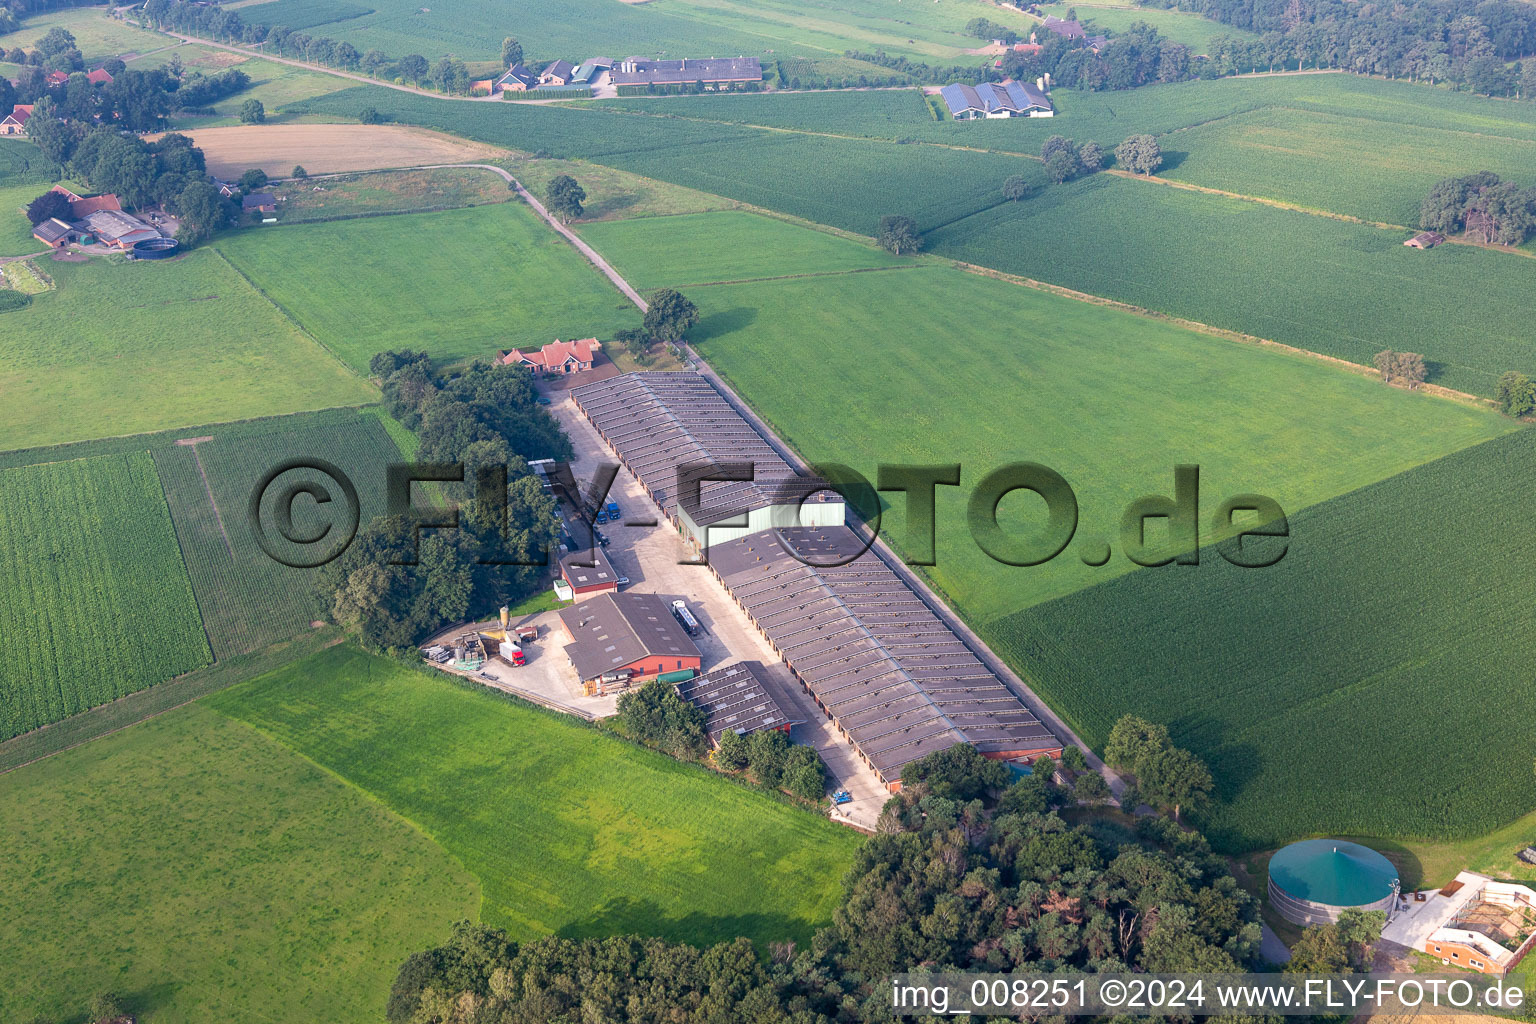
(330, 148)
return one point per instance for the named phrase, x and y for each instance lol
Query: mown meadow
(570, 831)
(94, 599)
(460, 284)
(82, 358)
(1375, 682)
(205, 872)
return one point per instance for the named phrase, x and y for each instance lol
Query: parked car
(623, 581)
(543, 400)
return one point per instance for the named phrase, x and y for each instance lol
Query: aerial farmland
(657, 510)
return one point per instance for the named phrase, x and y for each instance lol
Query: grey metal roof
(562, 68)
(891, 674)
(661, 423)
(738, 697)
(893, 677)
(612, 631)
(639, 71)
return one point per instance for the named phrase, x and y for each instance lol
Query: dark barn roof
(737, 697)
(659, 422)
(613, 631)
(579, 571)
(897, 680)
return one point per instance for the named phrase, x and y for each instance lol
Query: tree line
(448, 74)
(968, 871)
(1472, 43)
(399, 582)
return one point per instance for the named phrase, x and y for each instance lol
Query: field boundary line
(1358, 369)
(287, 315)
(1278, 204)
(181, 548)
(184, 679)
(218, 517)
(798, 277)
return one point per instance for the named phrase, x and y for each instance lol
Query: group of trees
(772, 760)
(655, 715)
(170, 173)
(1516, 394)
(1167, 777)
(1065, 159)
(1489, 210)
(985, 879)
(1432, 40)
(1406, 368)
(398, 584)
(669, 316)
(982, 28)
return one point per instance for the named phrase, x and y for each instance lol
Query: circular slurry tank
(155, 249)
(1312, 881)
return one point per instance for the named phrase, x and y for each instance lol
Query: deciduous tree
(1139, 154)
(670, 316)
(565, 196)
(898, 234)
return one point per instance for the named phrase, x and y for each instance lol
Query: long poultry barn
(894, 679)
(666, 427)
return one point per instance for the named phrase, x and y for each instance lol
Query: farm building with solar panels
(1313, 881)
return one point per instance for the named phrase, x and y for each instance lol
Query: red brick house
(15, 123)
(558, 357)
(101, 76)
(584, 578)
(57, 77)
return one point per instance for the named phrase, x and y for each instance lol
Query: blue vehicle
(842, 796)
(613, 511)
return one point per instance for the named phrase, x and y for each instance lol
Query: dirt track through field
(329, 148)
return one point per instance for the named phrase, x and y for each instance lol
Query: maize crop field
(94, 600)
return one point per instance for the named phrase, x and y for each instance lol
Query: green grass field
(729, 246)
(1184, 27)
(675, 28)
(1356, 166)
(97, 35)
(94, 599)
(207, 873)
(15, 230)
(1374, 682)
(930, 364)
(191, 333)
(247, 599)
(23, 163)
(460, 284)
(569, 830)
(1341, 289)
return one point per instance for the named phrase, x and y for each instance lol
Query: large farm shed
(661, 424)
(889, 673)
(709, 70)
(737, 697)
(630, 635)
